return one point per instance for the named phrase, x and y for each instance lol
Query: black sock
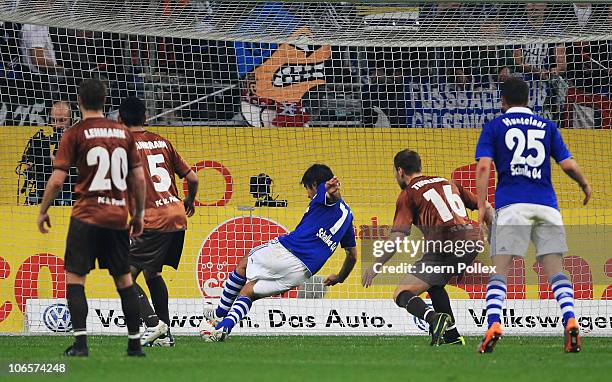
(159, 295)
(77, 304)
(441, 304)
(146, 310)
(415, 306)
(129, 303)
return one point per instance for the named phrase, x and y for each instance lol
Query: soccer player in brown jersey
(165, 220)
(109, 168)
(437, 207)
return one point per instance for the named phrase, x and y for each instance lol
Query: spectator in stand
(37, 50)
(45, 76)
(384, 96)
(494, 64)
(588, 63)
(538, 59)
(40, 154)
(588, 69)
(452, 64)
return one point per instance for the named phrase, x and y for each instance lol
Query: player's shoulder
(421, 182)
(404, 196)
(342, 201)
(156, 139)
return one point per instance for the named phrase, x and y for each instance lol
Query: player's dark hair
(515, 91)
(408, 160)
(92, 94)
(316, 174)
(133, 112)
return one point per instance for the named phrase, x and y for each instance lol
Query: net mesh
(245, 89)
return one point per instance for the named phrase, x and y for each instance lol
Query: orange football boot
(490, 339)
(572, 336)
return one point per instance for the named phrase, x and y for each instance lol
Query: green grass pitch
(312, 359)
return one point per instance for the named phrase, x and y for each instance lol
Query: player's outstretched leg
(441, 304)
(77, 304)
(240, 309)
(438, 322)
(496, 294)
(231, 289)
(131, 311)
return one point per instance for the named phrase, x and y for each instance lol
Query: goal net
(252, 92)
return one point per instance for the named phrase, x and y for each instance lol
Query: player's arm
(483, 172)
(350, 247)
(332, 191)
(137, 187)
(347, 267)
(185, 172)
(402, 223)
(571, 168)
(485, 151)
(64, 159)
(378, 261)
(192, 191)
(471, 202)
(52, 189)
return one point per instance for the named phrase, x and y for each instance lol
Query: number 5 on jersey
(165, 181)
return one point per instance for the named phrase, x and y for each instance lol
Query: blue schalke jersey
(521, 144)
(321, 229)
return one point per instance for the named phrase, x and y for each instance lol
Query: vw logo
(57, 318)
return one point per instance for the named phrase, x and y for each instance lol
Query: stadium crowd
(363, 86)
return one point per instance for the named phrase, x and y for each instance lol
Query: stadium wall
(31, 265)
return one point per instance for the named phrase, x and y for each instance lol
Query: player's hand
(136, 226)
(367, 277)
(332, 280)
(332, 186)
(482, 213)
(587, 193)
(41, 221)
(189, 207)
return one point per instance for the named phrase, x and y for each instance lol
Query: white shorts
(275, 269)
(517, 224)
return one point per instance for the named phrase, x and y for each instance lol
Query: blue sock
(239, 310)
(496, 294)
(231, 290)
(564, 294)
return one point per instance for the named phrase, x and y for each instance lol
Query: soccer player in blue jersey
(289, 260)
(521, 144)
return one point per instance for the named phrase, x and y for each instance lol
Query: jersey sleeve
(321, 195)
(486, 143)
(468, 197)
(558, 149)
(66, 154)
(402, 221)
(181, 168)
(348, 240)
(133, 157)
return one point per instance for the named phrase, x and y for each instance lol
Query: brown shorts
(154, 249)
(439, 268)
(87, 242)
